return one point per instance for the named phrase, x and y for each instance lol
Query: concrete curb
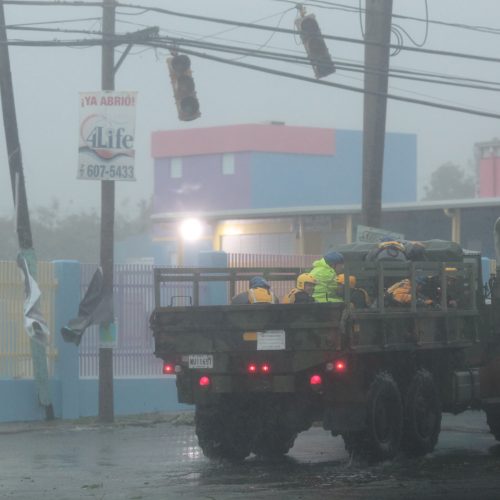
(143, 420)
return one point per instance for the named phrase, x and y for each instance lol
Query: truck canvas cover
(435, 251)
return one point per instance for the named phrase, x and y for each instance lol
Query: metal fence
(15, 350)
(134, 301)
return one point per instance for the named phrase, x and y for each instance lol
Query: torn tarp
(34, 323)
(95, 307)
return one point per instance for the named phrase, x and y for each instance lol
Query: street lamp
(190, 230)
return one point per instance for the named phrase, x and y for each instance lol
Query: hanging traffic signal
(315, 46)
(188, 107)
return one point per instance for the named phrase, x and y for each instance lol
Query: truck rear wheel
(223, 432)
(422, 415)
(384, 420)
(493, 420)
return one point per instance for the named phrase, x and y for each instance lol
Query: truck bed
(249, 328)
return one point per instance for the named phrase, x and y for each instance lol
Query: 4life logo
(104, 138)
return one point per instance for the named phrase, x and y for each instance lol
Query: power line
(160, 10)
(259, 53)
(58, 21)
(326, 83)
(324, 4)
(348, 62)
(293, 32)
(173, 43)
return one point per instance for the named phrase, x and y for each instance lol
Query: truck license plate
(200, 361)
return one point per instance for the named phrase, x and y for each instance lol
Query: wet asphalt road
(143, 459)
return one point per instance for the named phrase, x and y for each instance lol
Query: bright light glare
(191, 229)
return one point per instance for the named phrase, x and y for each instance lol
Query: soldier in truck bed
(259, 291)
(325, 272)
(399, 294)
(302, 293)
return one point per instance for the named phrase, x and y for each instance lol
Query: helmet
(258, 282)
(383, 239)
(333, 258)
(305, 278)
(341, 280)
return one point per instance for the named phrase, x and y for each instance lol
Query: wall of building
(328, 172)
(489, 176)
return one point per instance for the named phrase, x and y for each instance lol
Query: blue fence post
(68, 293)
(213, 293)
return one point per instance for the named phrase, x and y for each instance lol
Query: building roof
(262, 213)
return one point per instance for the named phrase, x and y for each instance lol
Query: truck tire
(381, 438)
(223, 432)
(422, 415)
(493, 420)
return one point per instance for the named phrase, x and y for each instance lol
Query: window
(176, 168)
(228, 164)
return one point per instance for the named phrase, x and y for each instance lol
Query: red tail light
(265, 368)
(315, 380)
(252, 368)
(340, 366)
(204, 381)
(168, 368)
(337, 366)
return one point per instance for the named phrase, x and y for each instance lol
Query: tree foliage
(448, 182)
(59, 235)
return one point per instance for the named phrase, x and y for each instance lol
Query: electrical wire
(170, 42)
(359, 68)
(347, 8)
(59, 21)
(328, 83)
(253, 26)
(271, 36)
(393, 72)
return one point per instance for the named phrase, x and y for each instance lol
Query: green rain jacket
(326, 287)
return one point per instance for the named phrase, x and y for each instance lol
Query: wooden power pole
(377, 53)
(23, 226)
(106, 398)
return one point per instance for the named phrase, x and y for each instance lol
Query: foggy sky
(47, 82)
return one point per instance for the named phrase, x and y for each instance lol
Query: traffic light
(188, 107)
(315, 46)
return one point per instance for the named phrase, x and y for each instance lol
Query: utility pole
(377, 53)
(106, 398)
(23, 226)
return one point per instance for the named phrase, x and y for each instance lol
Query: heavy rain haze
(47, 81)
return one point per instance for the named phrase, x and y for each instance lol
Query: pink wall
(489, 177)
(243, 138)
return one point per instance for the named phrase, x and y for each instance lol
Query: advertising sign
(106, 136)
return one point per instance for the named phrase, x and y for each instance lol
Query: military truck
(377, 374)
